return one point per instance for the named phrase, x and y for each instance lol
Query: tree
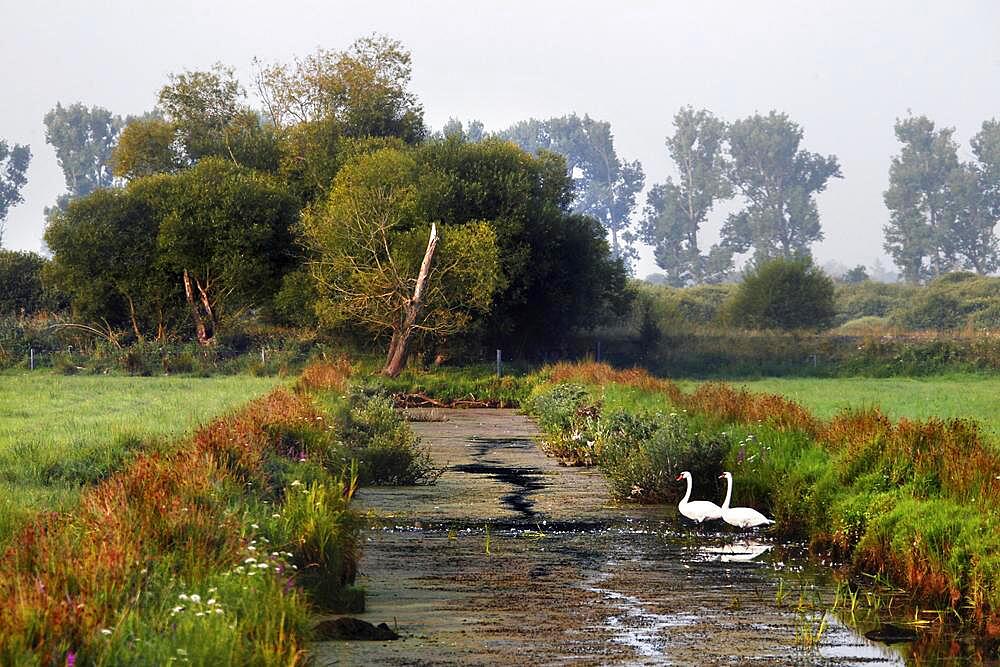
(472, 132)
(201, 105)
(557, 276)
(920, 201)
(84, 140)
(23, 291)
(858, 274)
(370, 266)
(605, 186)
(211, 241)
(676, 211)
(364, 89)
(226, 232)
(779, 183)
(977, 237)
(14, 162)
(105, 258)
(783, 294)
(943, 212)
(147, 146)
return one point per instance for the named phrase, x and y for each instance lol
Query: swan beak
(722, 476)
(680, 477)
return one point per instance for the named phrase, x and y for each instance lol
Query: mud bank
(513, 559)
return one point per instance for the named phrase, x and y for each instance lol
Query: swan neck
(687, 495)
(729, 492)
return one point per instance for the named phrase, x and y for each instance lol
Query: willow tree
(378, 263)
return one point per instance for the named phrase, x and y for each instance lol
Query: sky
(844, 71)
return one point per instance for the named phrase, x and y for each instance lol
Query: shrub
(23, 291)
(556, 406)
(642, 457)
(386, 450)
(783, 294)
(951, 302)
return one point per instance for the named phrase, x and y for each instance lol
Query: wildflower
(218, 610)
(183, 596)
(71, 659)
(251, 547)
(212, 589)
(195, 598)
(275, 516)
(181, 651)
(262, 566)
(254, 526)
(200, 613)
(105, 631)
(177, 609)
(210, 602)
(296, 483)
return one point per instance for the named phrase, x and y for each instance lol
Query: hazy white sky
(843, 70)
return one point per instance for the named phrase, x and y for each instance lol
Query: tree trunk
(208, 307)
(135, 322)
(398, 346)
(199, 324)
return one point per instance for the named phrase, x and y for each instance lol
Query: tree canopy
(778, 182)
(604, 185)
(370, 265)
(84, 140)
(14, 162)
(364, 89)
(676, 211)
(942, 211)
(216, 237)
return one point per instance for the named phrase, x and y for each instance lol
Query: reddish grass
(67, 576)
(331, 375)
(589, 372)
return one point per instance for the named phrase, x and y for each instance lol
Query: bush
(555, 407)
(871, 299)
(643, 456)
(24, 292)
(783, 294)
(953, 301)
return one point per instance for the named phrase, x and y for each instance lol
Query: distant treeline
(327, 202)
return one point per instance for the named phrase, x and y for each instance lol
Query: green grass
(913, 503)
(58, 433)
(946, 396)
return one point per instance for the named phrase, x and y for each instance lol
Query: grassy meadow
(59, 433)
(969, 396)
(212, 544)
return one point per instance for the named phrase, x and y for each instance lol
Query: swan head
(684, 475)
(726, 475)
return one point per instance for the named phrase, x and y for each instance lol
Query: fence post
(32, 362)
(499, 362)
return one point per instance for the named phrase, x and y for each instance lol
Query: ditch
(513, 559)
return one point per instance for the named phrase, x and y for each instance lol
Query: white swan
(741, 517)
(697, 510)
